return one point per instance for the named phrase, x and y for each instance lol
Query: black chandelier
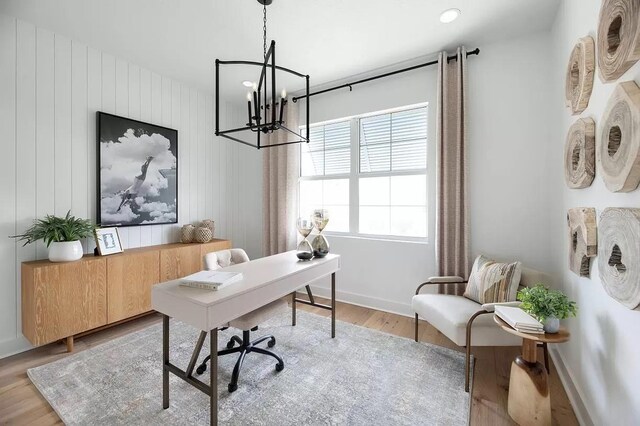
(263, 98)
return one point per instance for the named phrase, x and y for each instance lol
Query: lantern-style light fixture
(265, 105)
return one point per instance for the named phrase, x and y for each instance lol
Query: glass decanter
(320, 244)
(304, 250)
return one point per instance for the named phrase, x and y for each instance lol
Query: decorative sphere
(203, 235)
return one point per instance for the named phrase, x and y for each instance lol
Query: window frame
(355, 174)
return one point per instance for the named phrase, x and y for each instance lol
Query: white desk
(264, 280)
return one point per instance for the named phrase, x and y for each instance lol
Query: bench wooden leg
(69, 342)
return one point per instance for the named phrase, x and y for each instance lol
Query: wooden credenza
(60, 300)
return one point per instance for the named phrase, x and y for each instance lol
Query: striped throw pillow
(492, 282)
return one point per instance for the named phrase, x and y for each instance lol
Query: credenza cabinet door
(178, 262)
(63, 299)
(130, 277)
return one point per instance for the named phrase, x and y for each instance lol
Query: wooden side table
(529, 402)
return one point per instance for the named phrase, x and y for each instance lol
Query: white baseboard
(403, 309)
(573, 391)
(14, 346)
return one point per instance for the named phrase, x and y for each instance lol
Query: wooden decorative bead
(207, 223)
(619, 254)
(580, 154)
(618, 148)
(203, 235)
(618, 37)
(579, 78)
(582, 239)
(187, 234)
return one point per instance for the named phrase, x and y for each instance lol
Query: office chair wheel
(230, 344)
(232, 387)
(201, 368)
(272, 342)
(279, 367)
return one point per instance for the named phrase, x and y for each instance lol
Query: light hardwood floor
(22, 404)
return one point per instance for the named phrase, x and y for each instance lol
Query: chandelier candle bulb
(255, 105)
(249, 108)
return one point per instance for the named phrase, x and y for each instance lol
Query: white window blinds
(328, 152)
(394, 141)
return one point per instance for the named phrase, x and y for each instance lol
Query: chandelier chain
(264, 28)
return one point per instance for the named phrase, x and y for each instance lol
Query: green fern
(543, 303)
(57, 229)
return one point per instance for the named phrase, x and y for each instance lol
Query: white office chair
(457, 317)
(247, 323)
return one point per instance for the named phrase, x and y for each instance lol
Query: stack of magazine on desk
(519, 320)
(210, 280)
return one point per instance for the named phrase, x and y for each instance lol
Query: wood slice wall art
(618, 147)
(579, 78)
(580, 154)
(619, 254)
(583, 239)
(618, 37)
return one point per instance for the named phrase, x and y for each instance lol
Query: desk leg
(213, 377)
(165, 361)
(293, 308)
(333, 305)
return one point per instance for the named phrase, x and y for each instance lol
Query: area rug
(362, 377)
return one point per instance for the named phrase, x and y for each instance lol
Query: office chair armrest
(441, 280)
(491, 307)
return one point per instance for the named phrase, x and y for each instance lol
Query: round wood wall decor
(618, 37)
(580, 154)
(619, 254)
(579, 78)
(582, 239)
(618, 147)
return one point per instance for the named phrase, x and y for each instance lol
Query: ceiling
(327, 39)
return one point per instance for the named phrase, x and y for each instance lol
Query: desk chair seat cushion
(224, 258)
(260, 315)
(450, 314)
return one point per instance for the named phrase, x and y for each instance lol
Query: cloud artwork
(138, 172)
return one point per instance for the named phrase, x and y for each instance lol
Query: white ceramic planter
(551, 325)
(66, 251)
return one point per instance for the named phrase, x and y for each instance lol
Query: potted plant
(547, 306)
(62, 236)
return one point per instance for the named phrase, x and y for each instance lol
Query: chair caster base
(271, 343)
(201, 369)
(232, 387)
(279, 367)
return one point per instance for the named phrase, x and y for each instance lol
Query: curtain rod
(476, 51)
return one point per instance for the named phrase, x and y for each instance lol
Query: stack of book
(210, 280)
(519, 320)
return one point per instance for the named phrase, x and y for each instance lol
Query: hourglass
(304, 250)
(320, 244)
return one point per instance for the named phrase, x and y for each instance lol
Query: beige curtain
(281, 167)
(452, 228)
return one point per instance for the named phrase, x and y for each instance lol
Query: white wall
(601, 359)
(51, 89)
(508, 176)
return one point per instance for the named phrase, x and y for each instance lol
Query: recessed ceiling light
(247, 83)
(449, 15)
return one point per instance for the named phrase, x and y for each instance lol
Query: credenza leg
(69, 342)
(333, 305)
(165, 361)
(213, 378)
(293, 308)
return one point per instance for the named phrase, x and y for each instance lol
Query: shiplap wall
(50, 90)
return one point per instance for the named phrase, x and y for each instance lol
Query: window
(370, 172)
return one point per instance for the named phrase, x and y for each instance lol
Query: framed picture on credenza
(137, 172)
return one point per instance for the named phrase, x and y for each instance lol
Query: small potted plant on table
(62, 236)
(547, 306)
